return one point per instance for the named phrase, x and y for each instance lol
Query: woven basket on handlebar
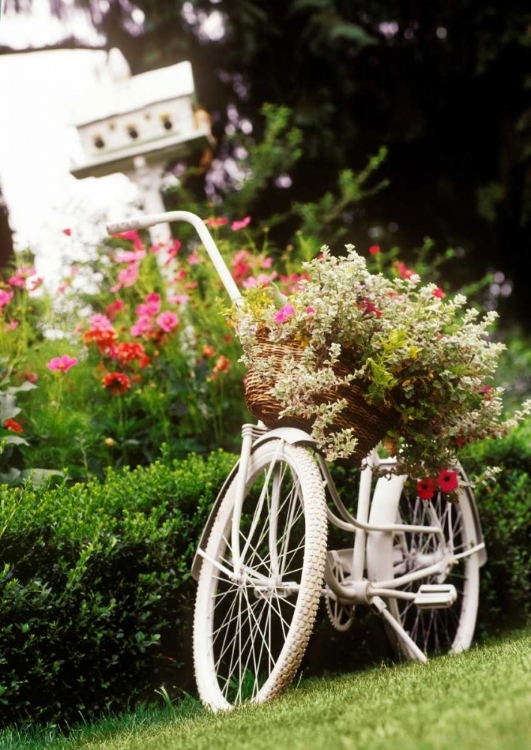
(369, 422)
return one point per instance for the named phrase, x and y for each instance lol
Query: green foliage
(323, 220)
(95, 592)
(505, 512)
(135, 386)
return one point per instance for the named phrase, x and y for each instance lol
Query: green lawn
(480, 699)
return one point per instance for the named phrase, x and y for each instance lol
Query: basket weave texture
(369, 422)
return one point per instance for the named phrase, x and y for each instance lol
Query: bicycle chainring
(341, 616)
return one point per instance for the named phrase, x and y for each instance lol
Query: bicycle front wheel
(434, 630)
(252, 624)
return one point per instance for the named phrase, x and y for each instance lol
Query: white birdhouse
(152, 115)
(137, 124)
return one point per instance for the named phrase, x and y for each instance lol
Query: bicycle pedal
(435, 596)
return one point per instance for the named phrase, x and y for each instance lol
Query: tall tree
(6, 236)
(444, 85)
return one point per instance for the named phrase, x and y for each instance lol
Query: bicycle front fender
(292, 435)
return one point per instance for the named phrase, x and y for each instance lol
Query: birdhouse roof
(116, 97)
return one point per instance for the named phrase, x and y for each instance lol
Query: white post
(148, 177)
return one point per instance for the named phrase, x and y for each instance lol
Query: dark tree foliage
(6, 236)
(443, 84)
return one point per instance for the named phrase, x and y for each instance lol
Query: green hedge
(96, 596)
(505, 511)
(95, 591)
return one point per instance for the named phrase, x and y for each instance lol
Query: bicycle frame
(359, 589)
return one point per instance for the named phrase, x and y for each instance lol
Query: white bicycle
(262, 563)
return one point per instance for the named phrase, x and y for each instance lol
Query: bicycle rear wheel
(434, 630)
(252, 626)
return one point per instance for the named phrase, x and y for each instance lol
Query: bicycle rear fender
(292, 435)
(482, 554)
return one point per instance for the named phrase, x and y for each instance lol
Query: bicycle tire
(250, 634)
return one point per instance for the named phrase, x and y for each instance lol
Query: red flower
(486, 391)
(222, 365)
(116, 382)
(68, 232)
(447, 480)
(129, 351)
(13, 426)
(114, 308)
(403, 270)
(438, 292)
(374, 250)
(368, 307)
(426, 488)
(103, 338)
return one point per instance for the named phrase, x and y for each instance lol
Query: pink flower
(293, 282)
(129, 256)
(132, 235)
(267, 263)
(284, 313)
(11, 326)
(178, 299)
(19, 279)
(5, 297)
(151, 306)
(237, 225)
(167, 321)
(403, 270)
(439, 293)
(68, 232)
(127, 277)
(374, 250)
(101, 322)
(34, 283)
(142, 327)
(172, 251)
(62, 364)
(216, 221)
(262, 279)
(310, 310)
(240, 266)
(194, 259)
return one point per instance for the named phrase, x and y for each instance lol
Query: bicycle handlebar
(143, 222)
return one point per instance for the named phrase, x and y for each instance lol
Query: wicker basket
(369, 422)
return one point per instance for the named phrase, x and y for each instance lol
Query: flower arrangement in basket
(357, 359)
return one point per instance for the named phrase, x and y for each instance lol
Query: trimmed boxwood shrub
(95, 589)
(505, 511)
